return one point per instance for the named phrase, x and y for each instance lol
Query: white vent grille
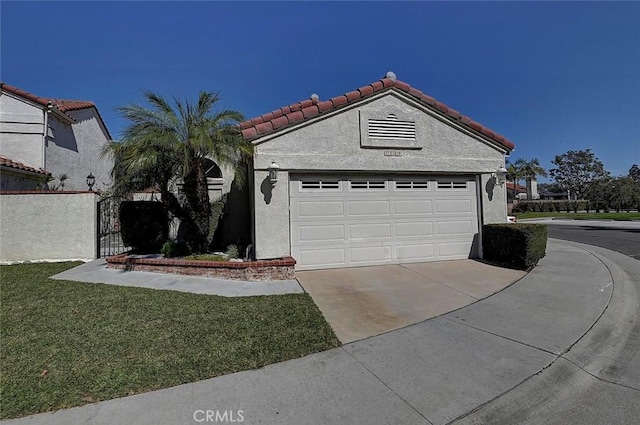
(320, 184)
(452, 185)
(412, 185)
(392, 129)
(368, 184)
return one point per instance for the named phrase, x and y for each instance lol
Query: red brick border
(278, 269)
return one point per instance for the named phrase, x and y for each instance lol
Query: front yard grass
(624, 216)
(67, 343)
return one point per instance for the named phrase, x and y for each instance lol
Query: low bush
(143, 225)
(519, 245)
(175, 249)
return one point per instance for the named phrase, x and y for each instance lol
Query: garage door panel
(412, 206)
(368, 231)
(457, 227)
(370, 254)
(312, 209)
(414, 229)
(381, 221)
(457, 249)
(454, 206)
(366, 208)
(306, 233)
(419, 252)
(322, 257)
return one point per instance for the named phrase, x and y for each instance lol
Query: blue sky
(548, 76)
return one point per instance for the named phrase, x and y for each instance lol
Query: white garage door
(339, 221)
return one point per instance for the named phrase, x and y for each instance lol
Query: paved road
(623, 237)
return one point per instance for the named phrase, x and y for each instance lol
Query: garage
(382, 174)
(347, 221)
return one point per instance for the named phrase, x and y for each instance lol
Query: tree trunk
(198, 208)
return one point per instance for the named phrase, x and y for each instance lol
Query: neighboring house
(383, 174)
(520, 191)
(56, 135)
(18, 176)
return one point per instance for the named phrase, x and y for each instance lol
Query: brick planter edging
(279, 269)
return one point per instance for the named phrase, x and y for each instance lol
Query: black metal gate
(109, 239)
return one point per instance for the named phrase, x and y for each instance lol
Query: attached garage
(346, 221)
(380, 175)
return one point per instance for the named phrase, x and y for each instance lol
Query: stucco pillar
(271, 215)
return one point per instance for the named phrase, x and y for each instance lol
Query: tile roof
(306, 109)
(7, 162)
(63, 105)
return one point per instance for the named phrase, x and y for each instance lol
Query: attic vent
(392, 129)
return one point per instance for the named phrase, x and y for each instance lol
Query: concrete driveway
(366, 301)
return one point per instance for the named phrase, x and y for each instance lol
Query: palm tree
(515, 173)
(165, 142)
(531, 170)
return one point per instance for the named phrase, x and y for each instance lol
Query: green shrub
(143, 225)
(175, 249)
(233, 251)
(517, 245)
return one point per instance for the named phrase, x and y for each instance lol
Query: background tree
(634, 173)
(576, 170)
(515, 173)
(164, 143)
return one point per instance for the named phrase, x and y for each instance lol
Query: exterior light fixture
(91, 180)
(273, 172)
(501, 175)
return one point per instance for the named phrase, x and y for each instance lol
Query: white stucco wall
(72, 148)
(75, 149)
(48, 226)
(333, 143)
(21, 131)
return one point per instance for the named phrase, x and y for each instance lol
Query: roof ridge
(308, 108)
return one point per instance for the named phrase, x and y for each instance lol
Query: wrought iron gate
(109, 238)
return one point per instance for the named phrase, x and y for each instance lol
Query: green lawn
(68, 343)
(582, 216)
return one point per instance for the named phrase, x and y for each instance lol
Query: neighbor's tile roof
(7, 162)
(63, 105)
(309, 108)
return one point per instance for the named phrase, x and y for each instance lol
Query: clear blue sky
(548, 76)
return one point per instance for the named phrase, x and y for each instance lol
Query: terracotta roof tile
(309, 108)
(63, 105)
(7, 162)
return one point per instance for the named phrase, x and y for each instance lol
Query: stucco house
(56, 136)
(382, 174)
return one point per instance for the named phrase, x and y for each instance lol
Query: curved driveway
(528, 354)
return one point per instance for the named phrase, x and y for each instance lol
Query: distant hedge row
(573, 206)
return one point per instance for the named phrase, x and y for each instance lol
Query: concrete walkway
(516, 357)
(97, 272)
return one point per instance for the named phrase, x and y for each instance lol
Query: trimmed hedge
(143, 225)
(516, 245)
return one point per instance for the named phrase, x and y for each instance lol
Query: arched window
(212, 169)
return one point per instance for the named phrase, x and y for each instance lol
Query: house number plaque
(392, 153)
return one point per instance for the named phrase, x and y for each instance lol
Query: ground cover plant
(69, 343)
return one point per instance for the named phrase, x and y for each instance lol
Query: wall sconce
(273, 172)
(500, 175)
(91, 180)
